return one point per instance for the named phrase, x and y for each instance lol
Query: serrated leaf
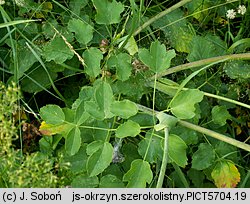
(237, 69)
(122, 62)
(157, 59)
(104, 97)
(83, 31)
(100, 160)
(128, 129)
(177, 150)
(165, 121)
(110, 181)
(151, 146)
(50, 129)
(52, 114)
(124, 109)
(197, 177)
(220, 115)
(92, 58)
(183, 106)
(225, 174)
(73, 141)
(138, 175)
(108, 12)
(57, 50)
(77, 5)
(85, 181)
(203, 157)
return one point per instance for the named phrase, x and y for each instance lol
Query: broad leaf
(93, 110)
(52, 114)
(83, 31)
(108, 12)
(77, 5)
(177, 150)
(183, 105)
(50, 129)
(73, 141)
(110, 181)
(225, 174)
(151, 145)
(157, 59)
(85, 181)
(57, 50)
(203, 157)
(237, 69)
(165, 121)
(94, 147)
(122, 62)
(128, 129)
(124, 109)
(220, 115)
(100, 160)
(81, 115)
(138, 175)
(92, 58)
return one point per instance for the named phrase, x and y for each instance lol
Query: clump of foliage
(154, 95)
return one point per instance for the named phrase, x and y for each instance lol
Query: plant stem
(159, 15)
(164, 160)
(202, 130)
(181, 175)
(243, 56)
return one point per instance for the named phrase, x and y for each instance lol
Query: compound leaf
(52, 114)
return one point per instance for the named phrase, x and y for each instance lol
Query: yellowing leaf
(225, 175)
(50, 129)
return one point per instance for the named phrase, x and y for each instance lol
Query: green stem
(159, 15)
(181, 175)
(202, 130)
(164, 160)
(243, 56)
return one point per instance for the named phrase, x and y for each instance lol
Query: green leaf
(203, 157)
(77, 5)
(110, 181)
(83, 31)
(225, 174)
(165, 121)
(104, 98)
(100, 159)
(129, 128)
(52, 114)
(78, 161)
(81, 116)
(197, 177)
(177, 150)
(37, 80)
(220, 115)
(57, 50)
(131, 46)
(93, 110)
(213, 45)
(157, 59)
(124, 109)
(151, 145)
(122, 62)
(92, 58)
(237, 69)
(94, 147)
(73, 141)
(108, 12)
(138, 175)
(85, 181)
(183, 106)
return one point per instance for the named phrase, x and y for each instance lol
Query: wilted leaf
(139, 174)
(108, 12)
(128, 129)
(50, 129)
(157, 59)
(183, 106)
(203, 157)
(225, 174)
